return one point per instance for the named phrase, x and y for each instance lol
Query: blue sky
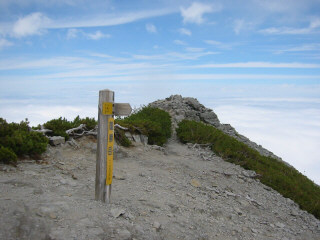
(256, 63)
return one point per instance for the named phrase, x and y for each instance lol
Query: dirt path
(179, 192)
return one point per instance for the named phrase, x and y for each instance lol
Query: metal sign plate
(122, 109)
(107, 108)
(110, 144)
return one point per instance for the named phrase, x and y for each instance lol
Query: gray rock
(73, 143)
(280, 225)
(156, 225)
(144, 139)
(116, 212)
(193, 103)
(249, 173)
(56, 140)
(136, 138)
(128, 135)
(119, 176)
(294, 212)
(210, 117)
(68, 182)
(123, 234)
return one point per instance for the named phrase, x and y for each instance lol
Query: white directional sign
(122, 109)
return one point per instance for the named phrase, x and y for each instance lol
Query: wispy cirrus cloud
(190, 54)
(72, 33)
(37, 23)
(185, 31)
(218, 44)
(241, 25)
(46, 63)
(109, 19)
(301, 48)
(5, 43)
(151, 28)
(314, 27)
(258, 65)
(179, 42)
(97, 35)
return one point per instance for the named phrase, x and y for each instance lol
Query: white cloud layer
(32, 24)
(194, 13)
(290, 132)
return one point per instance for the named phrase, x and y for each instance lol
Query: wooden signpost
(107, 109)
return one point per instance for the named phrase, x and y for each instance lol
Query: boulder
(56, 140)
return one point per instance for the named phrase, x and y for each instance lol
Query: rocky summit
(179, 191)
(189, 108)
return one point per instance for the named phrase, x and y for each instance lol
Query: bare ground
(176, 192)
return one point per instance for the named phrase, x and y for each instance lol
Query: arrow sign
(118, 109)
(122, 109)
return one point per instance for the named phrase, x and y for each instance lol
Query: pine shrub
(60, 125)
(7, 155)
(152, 122)
(16, 139)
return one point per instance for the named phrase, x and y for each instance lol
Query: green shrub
(121, 138)
(20, 140)
(58, 127)
(284, 179)
(7, 155)
(152, 122)
(61, 125)
(89, 122)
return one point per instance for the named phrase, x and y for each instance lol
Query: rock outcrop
(189, 108)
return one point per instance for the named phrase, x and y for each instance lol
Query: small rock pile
(189, 108)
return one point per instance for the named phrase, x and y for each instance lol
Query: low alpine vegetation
(17, 140)
(152, 122)
(282, 178)
(60, 125)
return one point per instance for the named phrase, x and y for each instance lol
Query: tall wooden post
(102, 191)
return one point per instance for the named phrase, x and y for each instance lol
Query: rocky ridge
(189, 108)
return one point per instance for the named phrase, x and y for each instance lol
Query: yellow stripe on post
(110, 144)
